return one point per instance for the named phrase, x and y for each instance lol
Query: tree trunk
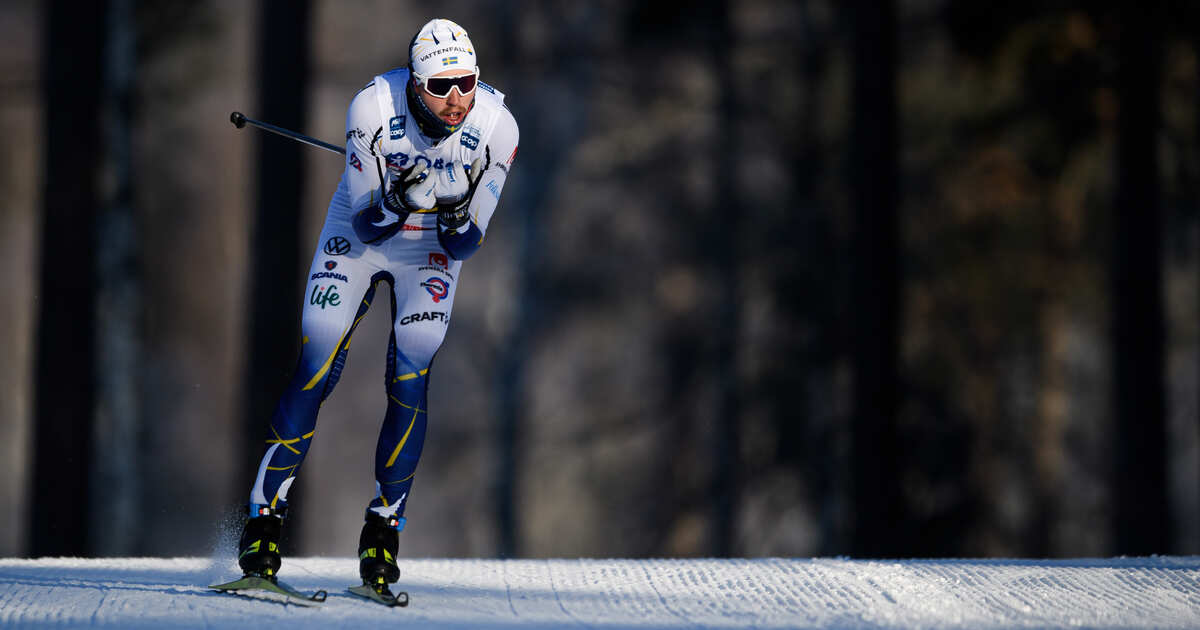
(548, 136)
(274, 300)
(724, 245)
(117, 464)
(1053, 401)
(1142, 517)
(65, 389)
(878, 520)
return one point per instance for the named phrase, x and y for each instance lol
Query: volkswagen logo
(337, 246)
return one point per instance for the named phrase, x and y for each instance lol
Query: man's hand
(411, 190)
(454, 192)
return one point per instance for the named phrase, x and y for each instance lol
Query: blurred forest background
(770, 277)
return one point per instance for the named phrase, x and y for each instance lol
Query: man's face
(453, 107)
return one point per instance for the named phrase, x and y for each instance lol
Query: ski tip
(260, 588)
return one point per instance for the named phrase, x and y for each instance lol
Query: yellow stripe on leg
(410, 476)
(324, 368)
(410, 376)
(288, 443)
(328, 362)
(392, 460)
(397, 401)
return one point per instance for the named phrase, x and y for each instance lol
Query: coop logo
(437, 288)
(337, 246)
(325, 296)
(396, 127)
(470, 137)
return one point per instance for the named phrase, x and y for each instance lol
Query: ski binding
(380, 594)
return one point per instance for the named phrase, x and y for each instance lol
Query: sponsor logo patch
(470, 137)
(438, 262)
(331, 264)
(437, 288)
(396, 161)
(337, 246)
(325, 296)
(427, 316)
(444, 50)
(399, 161)
(355, 162)
(396, 127)
(329, 274)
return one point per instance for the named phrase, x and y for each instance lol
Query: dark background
(769, 278)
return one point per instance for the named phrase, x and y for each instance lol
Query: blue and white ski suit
(420, 264)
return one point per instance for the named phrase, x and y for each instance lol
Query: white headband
(442, 45)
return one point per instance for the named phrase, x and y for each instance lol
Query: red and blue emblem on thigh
(438, 288)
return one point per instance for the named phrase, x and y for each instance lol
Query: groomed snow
(1159, 592)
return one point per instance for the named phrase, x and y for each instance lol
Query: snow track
(768, 593)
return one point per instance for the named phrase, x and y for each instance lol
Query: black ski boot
(377, 546)
(258, 551)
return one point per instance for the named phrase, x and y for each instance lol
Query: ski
(380, 594)
(263, 588)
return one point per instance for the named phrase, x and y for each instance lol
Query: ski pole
(239, 120)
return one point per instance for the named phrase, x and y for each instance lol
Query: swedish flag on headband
(449, 61)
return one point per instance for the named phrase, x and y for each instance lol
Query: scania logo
(330, 274)
(337, 246)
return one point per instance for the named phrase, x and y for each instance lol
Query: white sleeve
(365, 167)
(502, 150)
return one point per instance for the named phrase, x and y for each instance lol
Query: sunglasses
(440, 86)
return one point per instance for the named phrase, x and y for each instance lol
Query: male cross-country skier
(428, 148)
